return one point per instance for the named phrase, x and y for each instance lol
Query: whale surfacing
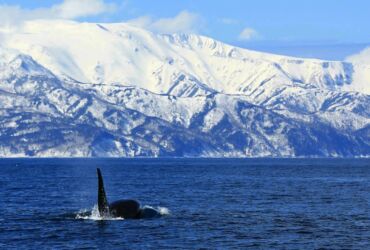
(127, 209)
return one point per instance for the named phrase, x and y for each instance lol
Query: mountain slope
(83, 89)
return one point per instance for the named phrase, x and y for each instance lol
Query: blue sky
(329, 29)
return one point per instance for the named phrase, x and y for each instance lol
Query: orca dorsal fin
(103, 205)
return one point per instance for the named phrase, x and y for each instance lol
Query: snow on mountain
(85, 89)
(120, 53)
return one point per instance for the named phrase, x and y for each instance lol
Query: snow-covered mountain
(86, 89)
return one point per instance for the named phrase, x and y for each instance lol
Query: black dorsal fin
(103, 205)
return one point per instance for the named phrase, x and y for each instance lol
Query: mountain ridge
(84, 89)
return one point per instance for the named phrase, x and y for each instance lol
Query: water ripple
(215, 204)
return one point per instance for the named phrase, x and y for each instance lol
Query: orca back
(128, 209)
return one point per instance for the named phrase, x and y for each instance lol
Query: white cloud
(247, 34)
(184, 22)
(361, 58)
(143, 21)
(13, 15)
(68, 9)
(361, 73)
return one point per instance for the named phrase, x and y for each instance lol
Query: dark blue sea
(205, 203)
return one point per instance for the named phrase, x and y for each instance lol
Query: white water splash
(85, 214)
(163, 210)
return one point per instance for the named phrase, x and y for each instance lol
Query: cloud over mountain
(11, 15)
(248, 34)
(184, 22)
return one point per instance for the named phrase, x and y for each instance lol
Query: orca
(127, 209)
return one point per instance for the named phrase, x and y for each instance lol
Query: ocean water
(206, 203)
